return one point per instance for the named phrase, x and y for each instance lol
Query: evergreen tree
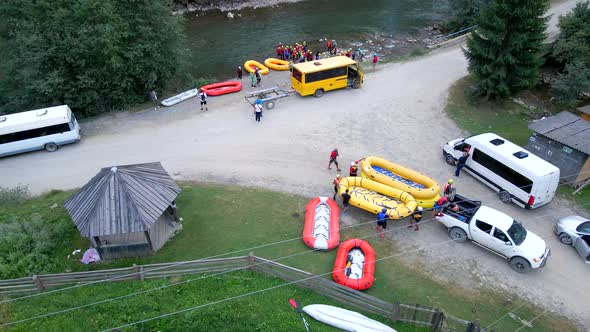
(93, 55)
(572, 49)
(505, 51)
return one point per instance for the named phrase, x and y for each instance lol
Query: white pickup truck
(496, 232)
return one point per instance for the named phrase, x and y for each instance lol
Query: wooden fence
(416, 314)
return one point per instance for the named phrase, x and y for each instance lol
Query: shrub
(14, 195)
(28, 245)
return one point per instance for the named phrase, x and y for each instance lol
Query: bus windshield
(296, 75)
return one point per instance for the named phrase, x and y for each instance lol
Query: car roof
(500, 219)
(43, 117)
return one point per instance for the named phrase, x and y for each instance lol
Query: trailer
(267, 96)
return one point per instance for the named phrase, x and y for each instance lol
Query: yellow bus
(318, 76)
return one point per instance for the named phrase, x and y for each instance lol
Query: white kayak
(180, 97)
(345, 319)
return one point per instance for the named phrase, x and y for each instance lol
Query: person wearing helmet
(416, 217)
(375, 59)
(239, 71)
(353, 169)
(382, 221)
(449, 189)
(333, 159)
(336, 184)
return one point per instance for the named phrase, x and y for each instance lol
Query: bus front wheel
(51, 147)
(318, 93)
(356, 84)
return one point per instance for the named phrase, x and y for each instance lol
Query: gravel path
(398, 115)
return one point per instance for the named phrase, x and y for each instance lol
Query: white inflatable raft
(345, 319)
(180, 97)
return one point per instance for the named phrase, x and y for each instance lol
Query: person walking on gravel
(257, 110)
(345, 200)
(333, 159)
(382, 222)
(203, 97)
(252, 80)
(336, 184)
(239, 71)
(154, 99)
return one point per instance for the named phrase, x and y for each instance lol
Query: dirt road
(398, 114)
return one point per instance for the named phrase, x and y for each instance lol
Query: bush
(29, 246)
(14, 195)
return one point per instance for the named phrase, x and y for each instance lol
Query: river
(389, 27)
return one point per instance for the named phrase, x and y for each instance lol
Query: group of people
(296, 53)
(444, 202)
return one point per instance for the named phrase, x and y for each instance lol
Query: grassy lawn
(504, 118)
(265, 311)
(220, 219)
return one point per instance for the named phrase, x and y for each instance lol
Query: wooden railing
(410, 313)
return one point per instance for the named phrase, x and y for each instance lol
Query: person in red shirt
(375, 59)
(353, 169)
(440, 205)
(333, 156)
(336, 184)
(448, 189)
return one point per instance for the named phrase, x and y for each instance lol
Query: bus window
(503, 171)
(296, 74)
(325, 74)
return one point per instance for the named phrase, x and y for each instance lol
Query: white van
(516, 174)
(46, 128)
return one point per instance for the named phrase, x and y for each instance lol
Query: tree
(93, 55)
(572, 49)
(505, 51)
(465, 13)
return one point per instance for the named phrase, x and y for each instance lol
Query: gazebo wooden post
(147, 236)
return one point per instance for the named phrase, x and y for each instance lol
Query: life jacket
(334, 154)
(329, 43)
(203, 96)
(353, 170)
(336, 181)
(447, 189)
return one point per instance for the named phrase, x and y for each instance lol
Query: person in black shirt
(461, 163)
(345, 199)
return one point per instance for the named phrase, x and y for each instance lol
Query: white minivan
(515, 173)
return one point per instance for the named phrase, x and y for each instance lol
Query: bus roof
(323, 64)
(43, 117)
(531, 163)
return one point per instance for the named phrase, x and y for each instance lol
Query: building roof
(323, 64)
(565, 128)
(43, 117)
(584, 109)
(122, 199)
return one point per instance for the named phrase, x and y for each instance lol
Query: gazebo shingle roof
(122, 199)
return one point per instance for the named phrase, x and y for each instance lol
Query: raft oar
(296, 306)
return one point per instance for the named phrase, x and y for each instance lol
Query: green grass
(265, 311)
(220, 219)
(504, 118)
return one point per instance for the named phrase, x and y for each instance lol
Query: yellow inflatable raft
(251, 65)
(276, 64)
(424, 189)
(373, 197)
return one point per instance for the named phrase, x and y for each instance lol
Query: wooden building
(564, 141)
(127, 211)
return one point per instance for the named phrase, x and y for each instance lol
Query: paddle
(296, 306)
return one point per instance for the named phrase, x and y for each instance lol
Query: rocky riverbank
(189, 6)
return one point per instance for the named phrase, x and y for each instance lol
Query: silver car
(575, 231)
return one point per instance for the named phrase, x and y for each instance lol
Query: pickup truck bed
(467, 208)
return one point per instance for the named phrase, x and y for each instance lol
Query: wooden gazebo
(127, 211)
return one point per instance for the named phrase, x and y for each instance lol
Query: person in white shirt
(203, 97)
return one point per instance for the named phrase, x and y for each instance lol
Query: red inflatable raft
(359, 274)
(322, 230)
(222, 88)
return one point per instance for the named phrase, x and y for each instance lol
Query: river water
(389, 27)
